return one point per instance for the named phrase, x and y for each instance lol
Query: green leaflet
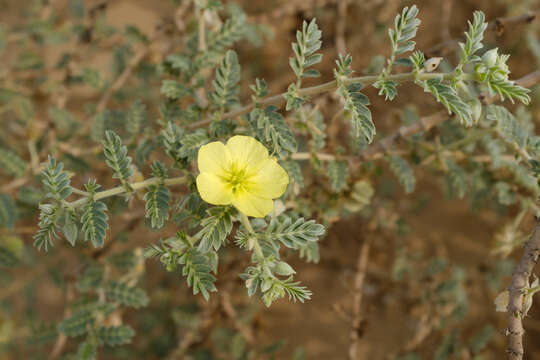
(226, 82)
(157, 205)
(70, 229)
(87, 351)
(507, 124)
(272, 129)
(12, 163)
(388, 88)
(116, 157)
(456, 180)
(215, 229)
(405, 27)
(191, 143)
(136, 117)
(403, 171)
(77, 324)
(474, 38)
(7, 257)
(94, 218)
(338, 171)
(114, 335)
(90, 279)
(8, 211)
(293, 234)
(46, 234)
(356, 105)
(448, 96)
(197, 267)
(63, 120)
(229, 33)
(126, 295)
(56, 180)
(294, 171)
(174, 90)
(308, 42)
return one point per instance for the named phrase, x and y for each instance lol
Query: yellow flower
(240, 173)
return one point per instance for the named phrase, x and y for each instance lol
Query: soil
(442, 227)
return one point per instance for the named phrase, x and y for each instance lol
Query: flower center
(236, 178)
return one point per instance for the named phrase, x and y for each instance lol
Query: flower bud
(476, 108)
(490, 57)
(282, 268)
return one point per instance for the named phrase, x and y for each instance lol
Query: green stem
(472, 136)
(330, 86)
(256, 246)
(79, 192)
(122, 189)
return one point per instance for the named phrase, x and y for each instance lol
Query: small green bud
(282, 268)
(490, 57)
(266, 284)
(476, 108)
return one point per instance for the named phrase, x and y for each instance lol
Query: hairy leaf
(126, 295)
(403, 171)
(226, 82)
(216, 227)
(197, 267)
(94, 222)
(116, 157)
(157, 205)
(308, 42)
(338, 171)
(272, 129)
(12, 163)
(115, 335)
(7, 211)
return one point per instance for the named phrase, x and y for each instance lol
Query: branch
(122, 189)
(229, 310)
(520, 280)
(361, 270)
(341, 25)
(427, 122)
(118, 83)
(193, 335)
(279, 99)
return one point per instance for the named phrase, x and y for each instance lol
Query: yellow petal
(213, 158)
(213, 190)
(253, 205)
(247, 151)
(271, 180)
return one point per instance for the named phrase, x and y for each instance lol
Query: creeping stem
(330, 86)
(253, 242)
(122, 189)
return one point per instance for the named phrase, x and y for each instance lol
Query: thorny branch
(520, 280)
(361, 270)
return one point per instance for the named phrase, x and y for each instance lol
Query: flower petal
(213, 190)
(213, 158)
(271, 180)
(253, 205)
(247, 151)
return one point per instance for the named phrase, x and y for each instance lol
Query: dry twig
(361, 270)
(520, 280)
